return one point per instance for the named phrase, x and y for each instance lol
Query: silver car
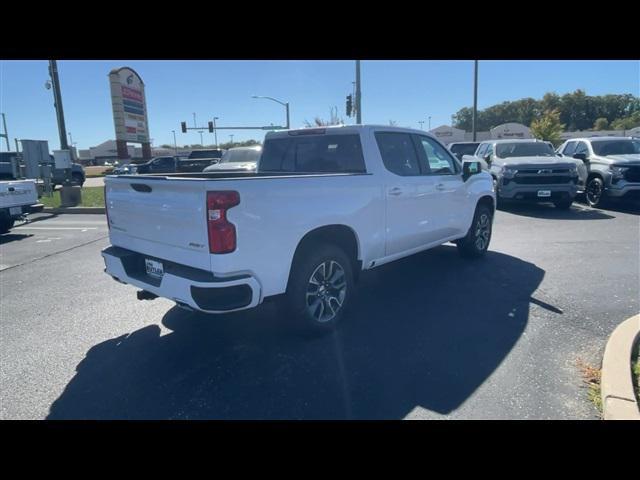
(239, 159)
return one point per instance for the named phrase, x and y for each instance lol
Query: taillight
(222, 233)
(106, 207)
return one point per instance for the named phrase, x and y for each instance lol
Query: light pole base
(70, 196)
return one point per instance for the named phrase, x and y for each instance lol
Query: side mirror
(580, 156)
(469, 169)
(487, 158)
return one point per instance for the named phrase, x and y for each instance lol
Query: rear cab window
(313, 154)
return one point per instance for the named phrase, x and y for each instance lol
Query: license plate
(154, 269)
(15, 210)
(544, 193)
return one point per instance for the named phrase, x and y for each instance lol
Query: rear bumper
(25, 209)
(187, 286)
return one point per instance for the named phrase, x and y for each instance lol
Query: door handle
(441, 186)
(395, 191)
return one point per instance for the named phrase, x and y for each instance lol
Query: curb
(618, 399)
(85, 210)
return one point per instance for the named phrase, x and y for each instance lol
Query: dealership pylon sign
(129, 111)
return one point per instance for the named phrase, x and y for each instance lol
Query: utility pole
(358, 94)
(475, 98)
(57, 95)
(231, 135)
(5, 134)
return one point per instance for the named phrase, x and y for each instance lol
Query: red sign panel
(131, 94)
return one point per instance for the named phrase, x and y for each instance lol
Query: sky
(403, 91)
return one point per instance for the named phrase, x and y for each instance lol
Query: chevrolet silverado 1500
(324, 204)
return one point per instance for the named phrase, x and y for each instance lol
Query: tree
(164, 145)
(333, 120)
(548, 127)
(627, 123)
(601, 124)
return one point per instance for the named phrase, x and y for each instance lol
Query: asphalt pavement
(432, 336)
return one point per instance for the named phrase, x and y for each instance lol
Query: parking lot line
(25, 227)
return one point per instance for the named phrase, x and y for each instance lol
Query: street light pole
(201, 141)
(475, 98)
(231, 135)
(358, 94)
(215, 132)
(57, 96)
(195, 125)
(175, 143)
(286, 105)
(429, 123)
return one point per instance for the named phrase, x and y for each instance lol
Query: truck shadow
(550, 212)
(425, 332)
(13, 237)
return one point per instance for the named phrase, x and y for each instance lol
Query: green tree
(601, 124)
(548, 127)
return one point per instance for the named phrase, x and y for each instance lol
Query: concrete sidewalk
(618, 398)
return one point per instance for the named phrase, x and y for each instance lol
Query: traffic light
(349, 105)
(210, 127)
(184, 127)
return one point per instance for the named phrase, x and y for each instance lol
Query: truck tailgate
(18, 192)
(164, 218)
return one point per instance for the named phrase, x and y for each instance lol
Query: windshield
(464, 148)
(522, 149)
(205, 154)
(616, 147)
(240, 156)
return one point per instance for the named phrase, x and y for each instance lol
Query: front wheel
(476, 242)
(594, 192)
(320, 288)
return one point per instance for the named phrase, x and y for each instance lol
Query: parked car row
(611, 166)
(530, 170)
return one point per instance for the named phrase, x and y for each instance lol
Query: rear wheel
(320, 287)
(76, 179)
(594, 192)
(476, 242)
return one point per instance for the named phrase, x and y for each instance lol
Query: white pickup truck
(324, 204)
(17, 199)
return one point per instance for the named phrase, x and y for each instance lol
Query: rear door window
(314, 154)
(398, 153)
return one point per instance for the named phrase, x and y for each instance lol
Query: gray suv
(530, 170)
(613, 165)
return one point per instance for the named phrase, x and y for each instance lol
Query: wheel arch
(340, 235)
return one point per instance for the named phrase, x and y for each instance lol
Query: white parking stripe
(84, 229)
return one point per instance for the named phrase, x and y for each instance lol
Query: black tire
(76, 179)
(6, 224)
(564, 204)
(476, 242)
(302, 294)
(594, 192)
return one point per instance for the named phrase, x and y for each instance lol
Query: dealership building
(447, 134)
